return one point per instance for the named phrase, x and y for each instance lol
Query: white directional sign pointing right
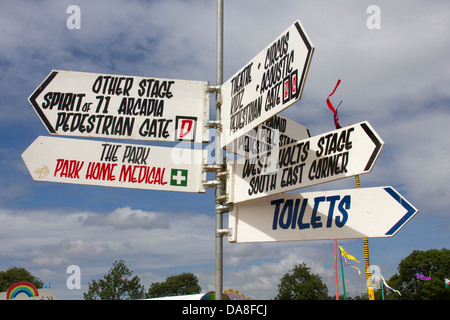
(275, 132)
(272, 81)
(340, 153)
(343, 214)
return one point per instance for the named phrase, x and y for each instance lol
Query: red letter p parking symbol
(185, 128)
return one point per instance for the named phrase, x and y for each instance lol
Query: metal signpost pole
(219, 155)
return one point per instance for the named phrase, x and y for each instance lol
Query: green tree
(15, 274)
(185, 283)
(300, 284)
(116, 285)
(434, 263)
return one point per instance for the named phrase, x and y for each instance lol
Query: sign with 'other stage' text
(122, 107)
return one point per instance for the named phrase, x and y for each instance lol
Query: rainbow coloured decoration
(212, 296)
(21, 287)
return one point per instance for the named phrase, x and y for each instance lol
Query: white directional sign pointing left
(343, 214)
(122, 107)
(115, 164)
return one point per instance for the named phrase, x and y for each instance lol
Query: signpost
(121, 107)
(343, 214)
(269, 83)
(330, 156)
(110, 164)
(278, 154)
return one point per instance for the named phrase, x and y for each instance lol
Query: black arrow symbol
(35, 105)
(378, 146)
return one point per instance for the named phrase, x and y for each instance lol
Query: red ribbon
(330, 105)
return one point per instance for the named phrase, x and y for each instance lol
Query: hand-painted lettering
(274, 75)
(293, 155)
(241, 80)
(292, 175)
(112, 85)
(156, 128)
(316, 220)
(297, 214)
(68, 168)
(300, 223)
(63, 101)
(334, 142)
(137, 155)
(101, 171)
(276, 123)
(98, 123)
(332, 200)
(344, 204)
(142, 174)
(262, 183)
(328, 166)
(302, 163)
(276, 213)
(236, 101)
(109, 152)
(141, 107)
(277, 50)
(118, 107)
(246, 114)
(286, 214)
(152, 88)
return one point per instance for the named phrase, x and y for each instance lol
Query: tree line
(421, 276)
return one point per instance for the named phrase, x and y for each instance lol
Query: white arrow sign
(269, 83)
(343, 214)
(273, 133)
(122, 107)
(338, 154)
(120, 165)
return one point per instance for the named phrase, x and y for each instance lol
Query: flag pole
(358, 185)
(335, 269)
(343, 281)
(370, 290)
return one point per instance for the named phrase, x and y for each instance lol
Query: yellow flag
(348, 256)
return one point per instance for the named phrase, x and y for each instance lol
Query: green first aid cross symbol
(178, 177)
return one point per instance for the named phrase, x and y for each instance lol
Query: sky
(396, 76)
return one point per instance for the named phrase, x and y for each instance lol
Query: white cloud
(49, 241)
(127, 218)
(62, 253)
